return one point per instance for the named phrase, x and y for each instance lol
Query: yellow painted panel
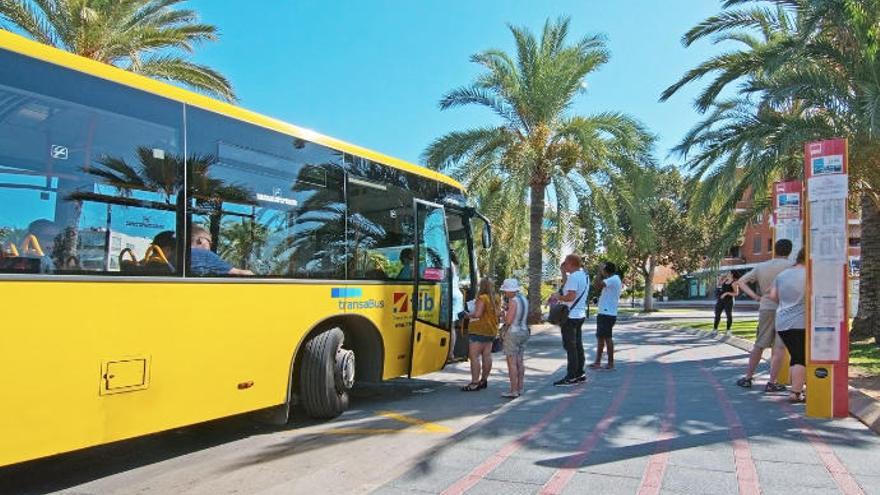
(24, 46)
(820, 392)
(427, 340)
(203, 339)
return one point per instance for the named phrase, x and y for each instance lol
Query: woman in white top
(515, 335)
(788, 290)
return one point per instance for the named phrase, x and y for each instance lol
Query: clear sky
(372, 71)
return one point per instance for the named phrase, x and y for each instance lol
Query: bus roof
(30, 48)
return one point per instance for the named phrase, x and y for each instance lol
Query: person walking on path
(514, 335)
(483, 328)
(764, 274)
(610, 285)
(727, 292)
(574, 295)
(788, 291)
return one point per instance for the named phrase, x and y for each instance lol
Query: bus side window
(272, 204)
(89, 168)
(381, 225)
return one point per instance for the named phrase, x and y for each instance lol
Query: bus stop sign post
(827, 311)
(787, 221)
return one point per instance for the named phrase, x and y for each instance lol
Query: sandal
(483, 384)
(510, 395)
(796, 397)
(471, 387)
(744, 382)
(595, 366)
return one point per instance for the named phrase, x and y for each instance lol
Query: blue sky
(372, 71)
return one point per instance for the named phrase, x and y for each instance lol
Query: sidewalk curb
(861, 405)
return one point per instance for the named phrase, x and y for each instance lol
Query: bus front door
(432, 308)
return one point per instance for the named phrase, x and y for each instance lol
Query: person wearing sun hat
(514, 335)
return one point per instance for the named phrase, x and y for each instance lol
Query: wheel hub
(344, 369)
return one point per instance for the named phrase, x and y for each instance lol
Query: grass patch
(863, 354)
(741, 328)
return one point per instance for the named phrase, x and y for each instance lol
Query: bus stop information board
(787, 221)
(825, 169)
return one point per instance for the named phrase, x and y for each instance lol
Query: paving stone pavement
(669, 420)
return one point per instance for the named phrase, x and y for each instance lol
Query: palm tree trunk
(648, 272)
(536, 234)
(867, 321)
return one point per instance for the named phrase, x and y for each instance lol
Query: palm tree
(143, 36)
(814, 75)
(538, 146)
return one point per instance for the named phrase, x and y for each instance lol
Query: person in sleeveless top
(514, 336)
(482, 328)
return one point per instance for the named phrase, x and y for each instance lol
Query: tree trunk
(536, 235)
(867, 321)
(648, 273)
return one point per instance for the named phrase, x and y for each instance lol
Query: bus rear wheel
(328, 373)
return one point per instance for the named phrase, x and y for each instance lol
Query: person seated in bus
(167, 242)
(203, 261)
(46, 232)
(406, 259)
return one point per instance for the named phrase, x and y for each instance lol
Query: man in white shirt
(574, 294)
(610, 284)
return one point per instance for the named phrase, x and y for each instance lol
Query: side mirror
(487, 235)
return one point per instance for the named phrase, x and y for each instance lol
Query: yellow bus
(167, 259)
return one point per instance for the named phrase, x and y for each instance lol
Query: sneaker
(581, 379)
(744, 382)
(775, 387)
(565, 382)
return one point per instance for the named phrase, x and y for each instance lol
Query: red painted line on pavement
(563, 476)
(495, 460)
(845, 481)
(653, 477)
(746, 473)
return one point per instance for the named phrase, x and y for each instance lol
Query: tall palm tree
(538, 145)
(143, 36)
(814, 76)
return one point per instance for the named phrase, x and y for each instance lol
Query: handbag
(559, 311)
(498, 342)
(497, 345)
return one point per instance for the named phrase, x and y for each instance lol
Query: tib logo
(424, 303)
(401, 302)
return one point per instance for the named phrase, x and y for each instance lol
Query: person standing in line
(610, 285)
(764, 274)
(483, 328)
(457, 304)
(788, 291)
(577, 284)
(727, 292)
(515, 334)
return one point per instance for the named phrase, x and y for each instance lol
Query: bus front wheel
(327, 375)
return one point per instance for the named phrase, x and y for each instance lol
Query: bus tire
(327, 375)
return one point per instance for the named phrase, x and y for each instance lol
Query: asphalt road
(668, 420)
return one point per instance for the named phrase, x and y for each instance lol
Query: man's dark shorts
(605, 325)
